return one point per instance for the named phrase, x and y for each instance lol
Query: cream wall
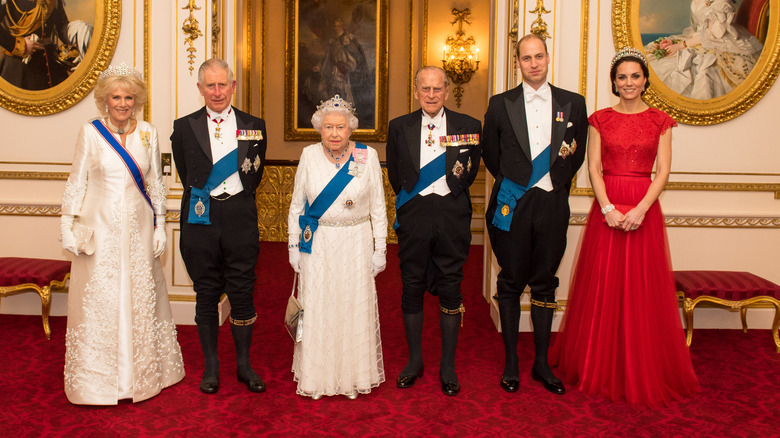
(35, 152)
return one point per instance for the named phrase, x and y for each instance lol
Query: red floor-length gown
(621, 334)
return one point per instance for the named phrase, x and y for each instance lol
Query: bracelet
(291, 246)
(607, 209)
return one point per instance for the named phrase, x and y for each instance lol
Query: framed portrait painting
(52, 51)
(709, 60)
(336, 47)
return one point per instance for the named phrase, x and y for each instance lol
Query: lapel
(412, 129)
(452, 129)
(558, 126)
(199, 124)
(243, 145)
(516, 111)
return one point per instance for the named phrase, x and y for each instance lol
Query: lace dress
(121, 338)
(621, 335)
(341, 350)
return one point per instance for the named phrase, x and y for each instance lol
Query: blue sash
(200, 199)
(510, 192)
(309, 220)
(429, 174)
(129, 161)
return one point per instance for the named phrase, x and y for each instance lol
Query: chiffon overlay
(621, 335)
(121, 338)
(341, 350)
(723, 60)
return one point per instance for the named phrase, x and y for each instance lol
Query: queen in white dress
(341, 350)
(121, 339)
(709, 58)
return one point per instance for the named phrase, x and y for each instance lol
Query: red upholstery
(17, 270)
(750, 14)
(727, 285)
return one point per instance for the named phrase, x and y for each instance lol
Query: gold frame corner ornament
(78, 85)
(625, 32)
(293, 132)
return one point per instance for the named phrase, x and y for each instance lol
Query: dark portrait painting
(43, 41)
(335, 47)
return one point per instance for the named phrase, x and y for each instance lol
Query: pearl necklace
(113, 128)
(338, 165)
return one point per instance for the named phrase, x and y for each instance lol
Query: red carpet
(738, 373)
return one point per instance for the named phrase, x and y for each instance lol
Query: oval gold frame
(72, 90)
(625, 32)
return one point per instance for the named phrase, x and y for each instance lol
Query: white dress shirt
(429, 153)
(222, 145)
(538, 117)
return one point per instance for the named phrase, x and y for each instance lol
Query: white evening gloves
(294, 253)
(159, 239)
(66, 234)
(379, 259)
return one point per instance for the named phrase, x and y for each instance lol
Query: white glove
(379, 259)
(294, 255)
(159, 239)
(66, 234)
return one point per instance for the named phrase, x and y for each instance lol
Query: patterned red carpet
(738, 373)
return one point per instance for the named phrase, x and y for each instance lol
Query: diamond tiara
(628, 52)
(120, 70)
(336, 102)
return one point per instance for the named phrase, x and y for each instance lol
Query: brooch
(349, 203)
(257, 162)
(567, 150)
(146, 137)
(200, 208)
(307, 233)
(504, 210)
(457, 169)
(468, 166)
(246, 166)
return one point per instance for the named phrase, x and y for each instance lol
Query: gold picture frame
(79, 83)
(339, 49)
(691, 111)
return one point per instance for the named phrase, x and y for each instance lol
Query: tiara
(628, 52)
(336, 102)
(120, 70)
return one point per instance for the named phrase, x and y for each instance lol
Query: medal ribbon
(510, 192)
(128, 160)
(309, 220)
(429, 174)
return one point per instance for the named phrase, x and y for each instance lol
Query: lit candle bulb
(444, 52)
(477, 54)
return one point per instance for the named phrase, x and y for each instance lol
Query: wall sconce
(460, 57)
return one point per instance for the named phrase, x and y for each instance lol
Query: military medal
(505, 210)
(256, 163)
(457, 169)
(430, 141)
(559, 116)
(307, 234)
(246, 165)
(200, 208)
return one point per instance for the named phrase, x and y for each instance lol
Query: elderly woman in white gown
(337, 231)
(121, 338)
(709, 58)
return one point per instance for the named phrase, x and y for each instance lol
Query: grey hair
(322, 111)
(214, 63)
(429, 68)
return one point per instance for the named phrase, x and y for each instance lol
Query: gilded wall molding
(190, 27)
(54, 176)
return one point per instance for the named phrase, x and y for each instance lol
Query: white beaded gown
(341, 350)
(121, 338)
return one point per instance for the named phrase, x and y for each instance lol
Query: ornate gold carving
(273, 202)
(538, 26)
(147, 62)
(215, 29)
(71, 91)
(459, 59)
(703, 221)
(54, 176)
(625, 32)
(699, 186)
(45, 294)
(191, 29)
(29, 210)
(584, 52)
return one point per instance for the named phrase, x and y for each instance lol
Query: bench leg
(45, 309)
(776, 325)
(688, 306)
(743, 316)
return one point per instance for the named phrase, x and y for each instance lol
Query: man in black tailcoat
(219, 153)
(432, 159)
(528, 214)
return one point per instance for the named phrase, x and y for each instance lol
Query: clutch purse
(293, 315)
(85, 241)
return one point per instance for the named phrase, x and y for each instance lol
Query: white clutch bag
(85, 238)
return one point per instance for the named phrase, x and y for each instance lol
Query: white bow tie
(428, 121)
(531, 94)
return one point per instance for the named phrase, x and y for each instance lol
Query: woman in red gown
(621, 335)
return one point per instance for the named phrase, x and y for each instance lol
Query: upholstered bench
(18, 275)
(737, 290)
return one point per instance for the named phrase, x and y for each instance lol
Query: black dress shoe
(509, 385)
(451, 389)
(408, 381)
(254, 383)
(209, 385)
(555, 386)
